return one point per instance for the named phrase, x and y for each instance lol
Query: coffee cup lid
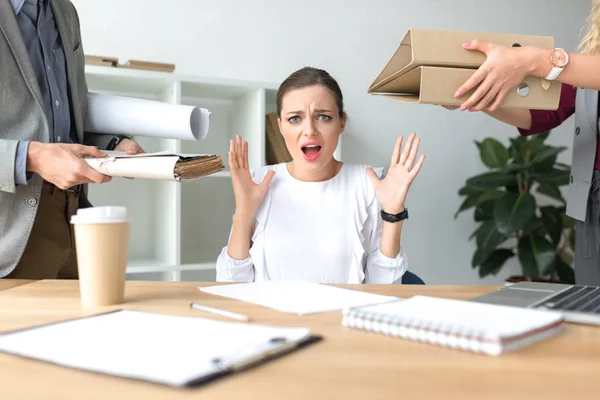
(101, 215)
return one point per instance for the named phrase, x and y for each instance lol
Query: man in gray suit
(43, 98)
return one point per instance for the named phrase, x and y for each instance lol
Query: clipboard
(156, 348)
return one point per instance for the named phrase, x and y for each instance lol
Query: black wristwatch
(115, 141)
(394, 217)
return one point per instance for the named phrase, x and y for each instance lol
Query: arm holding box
(506, 67)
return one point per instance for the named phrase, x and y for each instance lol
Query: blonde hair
(590, 43)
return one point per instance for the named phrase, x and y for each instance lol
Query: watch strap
(394, 217)
(554, 73)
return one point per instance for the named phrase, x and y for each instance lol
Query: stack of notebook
(477, 327)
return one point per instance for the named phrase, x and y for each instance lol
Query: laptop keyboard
(576, 298)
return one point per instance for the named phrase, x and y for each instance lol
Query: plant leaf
(478, 257)
(530, 147)
(558, 177)
(566, 274)
(476, 199)
(488, 236)
(493, 263)
(545, 153)
(487, 239)
(512, 168)
(547, 188)
(543, 135)
(535, 254)
(491, 180)
(536, 226)
(517, 147)
(544, 167)
(567, 221)
(553, 221)
(493, 153)
(513, 211)
(484, 211)
(468, 190)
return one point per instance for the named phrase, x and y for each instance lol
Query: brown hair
(306, 77)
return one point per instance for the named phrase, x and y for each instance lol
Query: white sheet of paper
(159, 348)
(297, 297)
(158, 165)
(162, 167)
(117, 115)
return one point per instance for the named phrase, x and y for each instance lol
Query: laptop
(578, 303)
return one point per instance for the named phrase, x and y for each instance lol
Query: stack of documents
(161, 165)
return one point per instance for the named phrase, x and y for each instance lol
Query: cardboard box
(430, 65)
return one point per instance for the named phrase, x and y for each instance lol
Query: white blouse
(323, 232)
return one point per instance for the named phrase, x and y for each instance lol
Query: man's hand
(62, 164)
(129, 146)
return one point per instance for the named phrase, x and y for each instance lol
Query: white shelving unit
(178, 229)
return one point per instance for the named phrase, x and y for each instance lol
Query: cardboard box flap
(427, 47)
(437, 85)
(401, 58)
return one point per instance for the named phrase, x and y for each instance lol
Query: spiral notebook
(477, 327)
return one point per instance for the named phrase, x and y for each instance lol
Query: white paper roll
(119, 115)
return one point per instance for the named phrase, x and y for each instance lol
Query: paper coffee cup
(102, 243)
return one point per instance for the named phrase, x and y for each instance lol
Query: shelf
(150, 265)
(127, 80)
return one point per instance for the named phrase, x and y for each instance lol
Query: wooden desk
(347, 364)
(11, 283)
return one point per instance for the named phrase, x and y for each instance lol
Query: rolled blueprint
(118, 115)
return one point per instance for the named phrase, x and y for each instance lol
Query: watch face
(559, 58)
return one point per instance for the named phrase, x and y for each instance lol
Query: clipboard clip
(247, 357)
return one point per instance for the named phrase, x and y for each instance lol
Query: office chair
(410, 278)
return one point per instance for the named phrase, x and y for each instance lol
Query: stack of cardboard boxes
(430, 65)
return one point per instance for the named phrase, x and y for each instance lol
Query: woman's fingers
(239, 152)
(232, 160)
(406, 150)
(412, 155)
(499, 99)
(487, 99)
(479, 93)
(413, 172)
(396, 153)
(245, 154)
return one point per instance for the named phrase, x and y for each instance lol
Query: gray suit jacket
(22, 118)
(584, 152)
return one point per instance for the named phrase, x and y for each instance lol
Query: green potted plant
(511, 221)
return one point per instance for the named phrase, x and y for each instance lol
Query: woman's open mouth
(311, 151)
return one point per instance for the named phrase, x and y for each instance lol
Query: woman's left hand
(129, 146)
(391, 191)
(503, 70)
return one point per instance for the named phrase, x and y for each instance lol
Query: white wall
(266, 40)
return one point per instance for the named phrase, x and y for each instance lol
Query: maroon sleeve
(544, 120)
